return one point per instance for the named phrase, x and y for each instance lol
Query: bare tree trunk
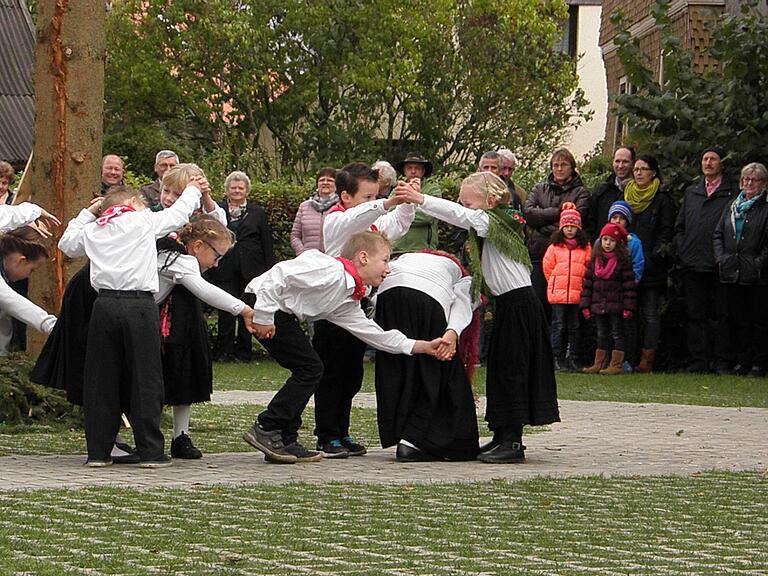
(69, 104)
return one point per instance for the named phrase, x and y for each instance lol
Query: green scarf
(640, 198)
(506, 235)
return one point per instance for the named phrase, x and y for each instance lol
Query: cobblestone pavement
(607, 438)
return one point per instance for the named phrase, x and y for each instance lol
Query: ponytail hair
(25, 241)
(205, 228)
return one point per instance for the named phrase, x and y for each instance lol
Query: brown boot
(615, 367)
(600, 357)
(646, 360)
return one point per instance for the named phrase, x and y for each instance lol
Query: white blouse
(12, 217)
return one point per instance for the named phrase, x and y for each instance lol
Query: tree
(65, 169)
(690, 111)
(281, 86)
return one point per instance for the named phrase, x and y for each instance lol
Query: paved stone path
(608, 438)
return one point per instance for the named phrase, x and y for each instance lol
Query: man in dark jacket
(609, 191)
(706, 302)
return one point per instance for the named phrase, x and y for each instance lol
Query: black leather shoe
(410, 454)
(506, 453)
(490, 445)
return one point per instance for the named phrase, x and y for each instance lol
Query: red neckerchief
(350, 269)
(113, 212)
(340, 208)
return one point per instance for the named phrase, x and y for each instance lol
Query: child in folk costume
(609, 295)
(423, 405)
(123, 368)
(564, 265)
(187, 372)
(341, 352)
(520, 379)
(12, 217)
(315, 286)
(61, 362)
(21, 252)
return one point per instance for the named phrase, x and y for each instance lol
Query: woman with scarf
(307, 231)
(251, 256)
(654, 225)
(741, 254)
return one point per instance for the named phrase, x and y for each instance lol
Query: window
(621, 132)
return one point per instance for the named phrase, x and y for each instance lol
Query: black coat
(655, 227)
(745, 261)
(599, 203)
(696, 222)
(542, 210)
(609, 295)
(252, 254)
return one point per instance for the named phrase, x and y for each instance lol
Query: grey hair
(755, 168)
(387, 172)
(166, 154)
(507, 154)
(239, 177)
(491, 155)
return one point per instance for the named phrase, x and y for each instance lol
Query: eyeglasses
(749, 179)
(219, 255)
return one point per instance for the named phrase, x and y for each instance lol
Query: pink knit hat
(569, 216)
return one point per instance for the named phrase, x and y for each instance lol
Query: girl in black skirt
(520, 378)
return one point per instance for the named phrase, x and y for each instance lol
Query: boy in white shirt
(123, 371)
(316, 286)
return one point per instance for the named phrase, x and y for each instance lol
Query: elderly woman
(654, 225)
(387, 178)
(251, 256)
(542, 210)
(307, 231)
(741, 254)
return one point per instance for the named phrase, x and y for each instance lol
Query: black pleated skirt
(420, 398)
(520, 379)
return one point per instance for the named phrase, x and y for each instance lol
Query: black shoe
(97, 463)
(332, 449)
(159, 462)
(270, 442)
(182, 447)
(697, 367)
(724, 368)
(410, 454)
(756, 372)
(302, 454)
(506, 453)
(125, 447)
(741, 369)
(354, 448)
(491, 444)
(126, 459)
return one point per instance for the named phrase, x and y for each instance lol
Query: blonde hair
(488, 185)
(207, 229)
(370, 242)
(177, 177)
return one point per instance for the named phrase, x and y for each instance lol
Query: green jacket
(423, 231)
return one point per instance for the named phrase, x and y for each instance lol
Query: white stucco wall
(592, 82)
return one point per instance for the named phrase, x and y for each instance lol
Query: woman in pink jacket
(307, 231)
(564, 265)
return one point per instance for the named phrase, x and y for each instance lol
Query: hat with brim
(415, 158)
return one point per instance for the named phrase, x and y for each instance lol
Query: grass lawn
(696, 389)
(711, 523)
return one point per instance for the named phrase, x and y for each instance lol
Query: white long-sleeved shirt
(12, 217)
(339, 225)
(122, 253)
(315, 286)
(174, 268)
(14, 305)
(438, 277)
(218, 213)
(501, 274)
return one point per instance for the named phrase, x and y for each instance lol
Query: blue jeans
(565, 328)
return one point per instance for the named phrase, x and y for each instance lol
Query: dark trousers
(610, 332)
(750, 323)
(649, 307)
(565, 322)
(342, 356)
(291, 348)
(706, 308)
(539, 283)
(233, 339)
(123, 373)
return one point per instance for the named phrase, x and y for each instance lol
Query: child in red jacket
(609, 294)
(564, 266)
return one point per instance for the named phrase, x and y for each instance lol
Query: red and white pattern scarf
(113, 212)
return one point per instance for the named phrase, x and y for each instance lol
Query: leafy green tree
(690, 111)
(282, 86)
